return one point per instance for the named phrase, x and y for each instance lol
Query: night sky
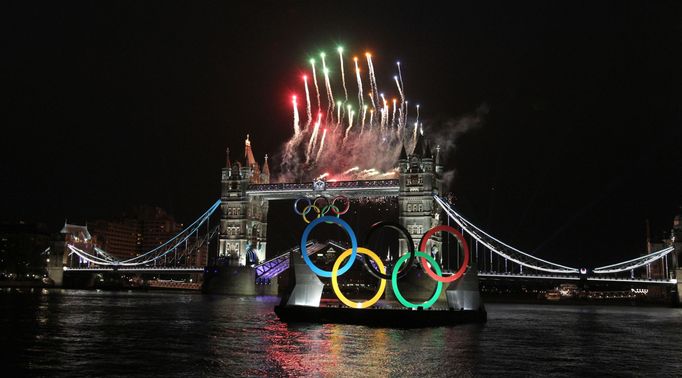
(113, 105)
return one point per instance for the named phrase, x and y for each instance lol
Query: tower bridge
(246, 192)
(241, 230)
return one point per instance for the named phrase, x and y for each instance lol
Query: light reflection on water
(87, 333)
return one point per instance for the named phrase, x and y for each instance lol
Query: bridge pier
(236, 280)
(56, 263)
(678, 274)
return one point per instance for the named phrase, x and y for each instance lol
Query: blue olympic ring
(353, 242)
(296, 205)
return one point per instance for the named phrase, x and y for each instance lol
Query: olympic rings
(410, 247)
(330, 211)
(460, 239)
(323, 206)
(335, 283)
(306, 210)
(296, 204)
(353, 243)
(394, 281)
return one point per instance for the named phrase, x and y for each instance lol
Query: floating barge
(379, 317)
(301, 304)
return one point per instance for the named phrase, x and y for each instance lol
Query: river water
(88, 333)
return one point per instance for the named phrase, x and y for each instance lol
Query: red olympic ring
(462, 241)
(345, 210)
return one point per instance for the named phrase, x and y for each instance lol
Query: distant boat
(552, 296)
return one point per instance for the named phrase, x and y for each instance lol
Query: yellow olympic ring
(306, 210)
(335, 283)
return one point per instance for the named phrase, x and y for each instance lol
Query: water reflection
(67, 333)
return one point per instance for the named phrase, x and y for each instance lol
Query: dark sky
(114, 104)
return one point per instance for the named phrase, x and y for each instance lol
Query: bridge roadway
(144, 269)
(480, 274)
(558, 277)
(374, 188)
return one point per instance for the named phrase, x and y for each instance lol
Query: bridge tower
(243, 222)
(421, 176)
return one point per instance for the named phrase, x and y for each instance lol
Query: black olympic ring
(321, 198)
(410, 248)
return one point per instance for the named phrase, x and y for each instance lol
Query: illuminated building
(420, 177)
(121, 239)
(243, 224)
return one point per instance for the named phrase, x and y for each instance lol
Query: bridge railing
(635, 263)
(333, 185)
(502, 249)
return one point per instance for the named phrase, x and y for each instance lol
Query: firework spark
(330, 95)
(317, 88)
(343, 73)
(358, 78)
(308, 109)
(319, 152)
(297, 127)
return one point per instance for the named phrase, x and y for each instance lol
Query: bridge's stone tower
(243, 222)
(421, 176)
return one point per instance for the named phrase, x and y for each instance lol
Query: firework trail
(417, 113)
(313, 137)
(372, 78)
(402, 97)
(361, 101)
(351, 113)
(384, 112)
(319, 152)
(308, 109)
(405, 115)
(414, 135)
(400, 75)
(394, 110)
(330, 95)
(343, 73)
(382, 122)
(364, 114)
(403, 102)
(297, 127)
(371, 118)
(399, 130)
(338, 115)
(317, 89)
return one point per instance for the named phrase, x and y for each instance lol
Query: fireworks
(350, 138)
